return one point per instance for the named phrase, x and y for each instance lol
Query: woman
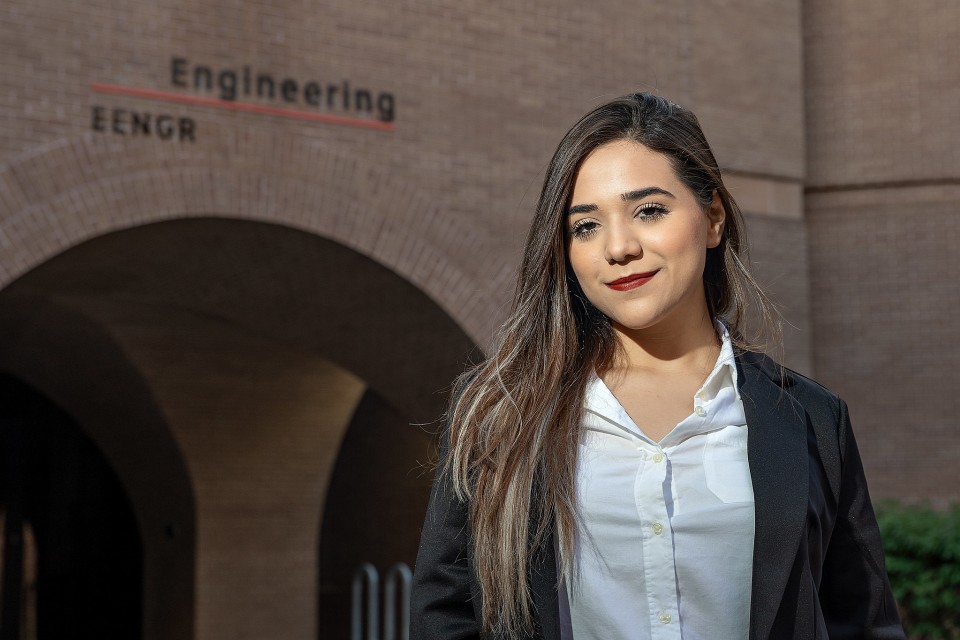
(626, 464)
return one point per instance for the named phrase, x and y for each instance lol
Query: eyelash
(651, 211)
(648, 212)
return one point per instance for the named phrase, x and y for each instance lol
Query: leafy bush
(922, 547)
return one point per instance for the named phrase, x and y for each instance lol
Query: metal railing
(366, 581)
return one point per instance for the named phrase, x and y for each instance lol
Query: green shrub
(922, 547)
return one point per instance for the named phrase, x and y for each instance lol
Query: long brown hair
(515, 422)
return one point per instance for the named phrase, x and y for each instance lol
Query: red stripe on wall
(242, 106)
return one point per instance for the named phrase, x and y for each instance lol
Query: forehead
(619, 167)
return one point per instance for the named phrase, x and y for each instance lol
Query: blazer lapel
(543, 583)
(777, 452)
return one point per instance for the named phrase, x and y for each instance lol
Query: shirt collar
(601, 400)
(724, 371)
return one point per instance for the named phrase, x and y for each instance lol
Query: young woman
(626, 464)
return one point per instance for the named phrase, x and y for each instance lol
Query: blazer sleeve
(855, 594)
(442, 606)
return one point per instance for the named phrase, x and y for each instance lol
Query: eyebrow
(630, 196)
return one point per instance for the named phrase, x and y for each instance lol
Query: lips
(632, 281)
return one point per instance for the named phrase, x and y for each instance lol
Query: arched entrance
(374, 506)
(72, 558)
(74, 362)
(257, 347)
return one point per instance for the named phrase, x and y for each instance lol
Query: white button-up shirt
(665, 548)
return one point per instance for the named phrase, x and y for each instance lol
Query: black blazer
(818, 568)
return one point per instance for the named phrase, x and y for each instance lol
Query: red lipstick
(632, 281)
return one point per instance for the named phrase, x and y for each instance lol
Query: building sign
(231, 89)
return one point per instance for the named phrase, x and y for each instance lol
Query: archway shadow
(72, 360)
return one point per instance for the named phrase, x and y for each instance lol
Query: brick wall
(882, 205)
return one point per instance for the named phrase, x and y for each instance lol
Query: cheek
(688, 239)
(580, 262)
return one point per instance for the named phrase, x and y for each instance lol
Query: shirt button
(665, 617)
(700, 411)
(658, 458)
(657, 528)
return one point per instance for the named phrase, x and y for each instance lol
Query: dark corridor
(72, 563)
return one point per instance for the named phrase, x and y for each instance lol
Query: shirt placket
(658, 559)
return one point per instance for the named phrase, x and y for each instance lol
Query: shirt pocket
(726, 467)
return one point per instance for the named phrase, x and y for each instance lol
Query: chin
(634, 324)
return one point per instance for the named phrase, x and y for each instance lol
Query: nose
(623, 243)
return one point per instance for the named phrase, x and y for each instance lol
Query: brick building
(244, 249)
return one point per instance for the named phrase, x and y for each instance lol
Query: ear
(716, 217)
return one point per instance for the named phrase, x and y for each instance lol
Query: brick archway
(255, 341)
(72, 191)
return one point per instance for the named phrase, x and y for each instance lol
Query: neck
(685, 343)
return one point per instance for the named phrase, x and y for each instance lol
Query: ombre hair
(515, 419)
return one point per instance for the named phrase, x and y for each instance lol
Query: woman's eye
(651, 211)
(583, 229)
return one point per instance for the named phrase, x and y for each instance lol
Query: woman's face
(638, 238)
